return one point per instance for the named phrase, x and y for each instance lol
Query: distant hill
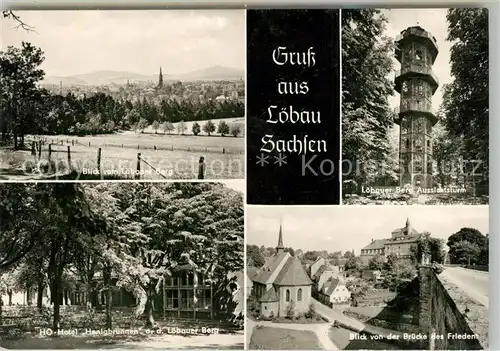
(119, 77)
(213, 73)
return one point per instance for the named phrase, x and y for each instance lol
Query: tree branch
(20, 23)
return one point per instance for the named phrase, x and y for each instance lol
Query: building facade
(399, 244)
(416, 50)
(282, 286)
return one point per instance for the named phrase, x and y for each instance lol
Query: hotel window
(299, 295)
(287, 295)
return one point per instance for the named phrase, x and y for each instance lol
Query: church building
(282, 284)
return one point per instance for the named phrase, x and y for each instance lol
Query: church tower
(408, 229)
(416, 50)
(160, 80)
(280, 248)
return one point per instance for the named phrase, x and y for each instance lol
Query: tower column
(416, 50)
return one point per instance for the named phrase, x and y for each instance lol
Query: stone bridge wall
(444, 315)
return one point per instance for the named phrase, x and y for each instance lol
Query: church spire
(280, 246)
(408, 226)
(160, 80)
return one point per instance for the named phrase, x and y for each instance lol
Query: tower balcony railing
(418, 32)
(418, 69)
(413, 106)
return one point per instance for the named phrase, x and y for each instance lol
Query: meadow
(163, 156)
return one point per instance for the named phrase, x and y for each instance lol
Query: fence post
(99, 160)
(69, 157)
(50, 150)
(33, 150)
(73, 142)
(201, 168)
(138, 173)
(39, 149)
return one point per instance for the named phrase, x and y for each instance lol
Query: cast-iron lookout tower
(416, 50)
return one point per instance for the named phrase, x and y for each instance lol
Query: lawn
(266, 338)
(163, 157)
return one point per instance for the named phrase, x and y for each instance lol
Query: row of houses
(329, 282)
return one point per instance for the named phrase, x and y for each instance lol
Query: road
(474, 284)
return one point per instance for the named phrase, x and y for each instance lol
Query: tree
(19, 75)
(209, 127)
(465, 99)
(235, 129)
(367, 118)
(196, 128)
(132, 117)
(167, 127)
(353, 264)
(253, 253)
(377, 263)
(468, 245)
(143, 124)
(181, 127)
(465, 252)
(430, 246)
(391, 261)
(155, 126)
(223, 128)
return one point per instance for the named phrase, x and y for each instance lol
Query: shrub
(290, 310)
(311, 312)
(437, 268)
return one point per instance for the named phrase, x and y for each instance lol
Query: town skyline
(315, 229)
(79, 42)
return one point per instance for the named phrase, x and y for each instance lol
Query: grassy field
(163, 157)
(266, 338)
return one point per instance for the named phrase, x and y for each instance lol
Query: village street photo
(319, 278)
(92, 95)
(415, 110)
(122, 265)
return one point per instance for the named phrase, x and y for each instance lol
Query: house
(282, 283)
(334, 291)
(316, 265)
(400, 244)
(323, 274)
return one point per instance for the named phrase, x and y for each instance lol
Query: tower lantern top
(416, 34)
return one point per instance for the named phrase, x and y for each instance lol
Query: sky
(181, 41)
(235, 184)
(342, 228)
(433, 21)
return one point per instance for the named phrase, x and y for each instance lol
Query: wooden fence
(37, 146)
